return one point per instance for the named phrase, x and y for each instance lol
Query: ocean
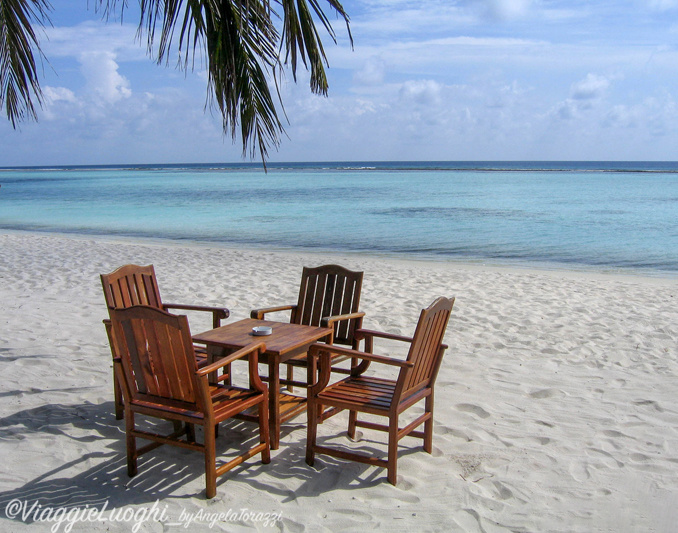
(612, 216)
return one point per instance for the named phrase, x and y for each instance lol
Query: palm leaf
(236, 40)
(301, 38)
(19, 83)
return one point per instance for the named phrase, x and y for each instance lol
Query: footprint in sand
(404, 484)
(606, 457)
(503, 492)
(614, 433)
(650, 403)
(471, 408)
(544, 393)
(579, 471)
(441, 430)
(640, 457)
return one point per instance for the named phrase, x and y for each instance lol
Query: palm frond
(241, 48)
(236, 40)
(301, 37)
(19, 83)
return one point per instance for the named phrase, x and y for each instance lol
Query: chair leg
(290, 377)
(210, 462)
(311, 432)
(392, 467)
(131, 444)
(311, 378)
(190, 432)
(264, 436)
(352, 419)
(428, 425)
(117, 394)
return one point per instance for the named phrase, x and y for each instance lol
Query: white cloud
(93, 37)
(591, 87)
(507, 9)
(407, 17)
(56, 94)
(435, 79)
(103, 78)
(421, 92)
(54, 99)
(566, 110)
(372, 72)
(585, 95)
(662, 5)
(623, 116)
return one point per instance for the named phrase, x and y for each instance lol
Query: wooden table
(286, 341)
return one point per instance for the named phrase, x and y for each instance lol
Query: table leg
(214, 353)
(274, 401)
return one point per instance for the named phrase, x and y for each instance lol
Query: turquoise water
(599, 215)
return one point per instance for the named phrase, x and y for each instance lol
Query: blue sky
(426, 80)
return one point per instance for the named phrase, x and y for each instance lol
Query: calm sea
(612, 216)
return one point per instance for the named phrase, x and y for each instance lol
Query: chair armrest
(316, 348)
(325, 368)
(218, 313)
(363, 333)
(329, 321)
(108, 324)
(258, 314)
(254, 349)
(251, 352)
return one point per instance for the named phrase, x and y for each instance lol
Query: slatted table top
(285, 340)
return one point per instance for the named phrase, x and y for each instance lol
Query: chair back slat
(349, 303)
(131, 285)
(325, 291)
(315, 305)
(425, 351)
(157, 352)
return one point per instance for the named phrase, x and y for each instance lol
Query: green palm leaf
(237, 40)
(19, 82)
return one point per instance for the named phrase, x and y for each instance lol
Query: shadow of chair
(388, 398)
(84, 467)
(329, 296)
(137, 285)
(159, 376)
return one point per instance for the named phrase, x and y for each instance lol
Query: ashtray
(262, 330)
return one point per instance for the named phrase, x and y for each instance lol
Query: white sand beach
(555, 405)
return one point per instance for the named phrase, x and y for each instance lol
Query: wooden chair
(137, 285)
(158, 372)
(383, 397)
(329, 296)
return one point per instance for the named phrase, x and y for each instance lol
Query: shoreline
(554, 269)
(555, 402)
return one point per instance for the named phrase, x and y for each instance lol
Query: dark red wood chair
(137, 285)
(329, 296)
(159, 376)
(360, 393)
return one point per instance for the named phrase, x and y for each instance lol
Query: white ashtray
(262, 330)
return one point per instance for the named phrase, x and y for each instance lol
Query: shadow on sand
(99, 480)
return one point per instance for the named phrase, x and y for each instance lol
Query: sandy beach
(555, 405)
